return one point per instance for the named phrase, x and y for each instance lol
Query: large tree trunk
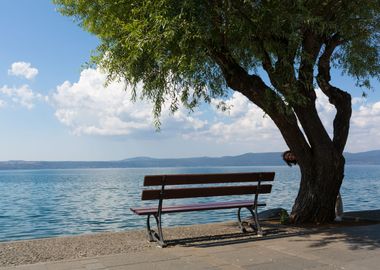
(320, 183)
(320, 157)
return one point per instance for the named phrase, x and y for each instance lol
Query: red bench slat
(195, 207)
(181, 193)
(188, 179)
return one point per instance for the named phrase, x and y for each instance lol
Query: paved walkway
(356, 248)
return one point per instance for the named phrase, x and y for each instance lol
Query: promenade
(337, 247)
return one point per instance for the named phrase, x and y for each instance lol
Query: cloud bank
(87, 107)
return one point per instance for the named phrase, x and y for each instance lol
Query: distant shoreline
(248, 159)
(162, 167)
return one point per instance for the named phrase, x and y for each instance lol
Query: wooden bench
(164, 193)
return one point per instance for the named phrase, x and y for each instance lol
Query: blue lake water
(47, 203)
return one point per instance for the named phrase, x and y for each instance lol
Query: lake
(47, 203)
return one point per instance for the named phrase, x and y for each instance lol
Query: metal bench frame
(158, 237)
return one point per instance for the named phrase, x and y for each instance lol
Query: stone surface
(340, 246)
(333, 248)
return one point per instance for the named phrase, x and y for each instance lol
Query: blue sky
(53, 108)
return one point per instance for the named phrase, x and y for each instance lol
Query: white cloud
(364, 125)
(325, 110)
(244, 122)
(22, 95)
(367, 116)
(23, 69)
(2, 103)
(365, 128)
(88, 107)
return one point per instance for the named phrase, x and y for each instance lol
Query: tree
(194, 50)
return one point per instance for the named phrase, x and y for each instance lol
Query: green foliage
(168, 44)
(284, 217)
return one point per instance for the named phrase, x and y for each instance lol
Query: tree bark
(322, 175)
(319, 187)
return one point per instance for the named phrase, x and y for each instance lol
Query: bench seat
(195, 207)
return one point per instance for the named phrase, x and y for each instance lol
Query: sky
(53, 107)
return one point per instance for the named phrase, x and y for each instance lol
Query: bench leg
(152, 234)
(241, 225)
(160, 234)
(256, 227)
(149, 230)
(256, 217)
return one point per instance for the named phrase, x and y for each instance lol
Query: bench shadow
(271, 232)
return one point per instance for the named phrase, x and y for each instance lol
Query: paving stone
(229, 267)
(26, 267)
(339, 256)
(64, 265)
(165, 265)
(133, 258)
(364, 264)
(85, 261)
(248, 256)
(95, 266)
(328, 267)
(291, 263)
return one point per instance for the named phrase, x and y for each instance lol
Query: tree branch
(254, 88)
(339, 98)
(311, 46)
(305, 109)
(281, 73)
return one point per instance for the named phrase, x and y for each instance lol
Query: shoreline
(63, 248)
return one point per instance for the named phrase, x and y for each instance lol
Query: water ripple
(47, 203)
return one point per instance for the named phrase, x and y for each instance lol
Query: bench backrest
(208, 191)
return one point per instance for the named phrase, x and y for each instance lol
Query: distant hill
(248, 159)
(368, 158)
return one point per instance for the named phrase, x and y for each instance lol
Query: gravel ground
(91, 245)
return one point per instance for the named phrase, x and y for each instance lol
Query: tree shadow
(355, 237)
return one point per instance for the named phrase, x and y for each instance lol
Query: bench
(198, 191)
